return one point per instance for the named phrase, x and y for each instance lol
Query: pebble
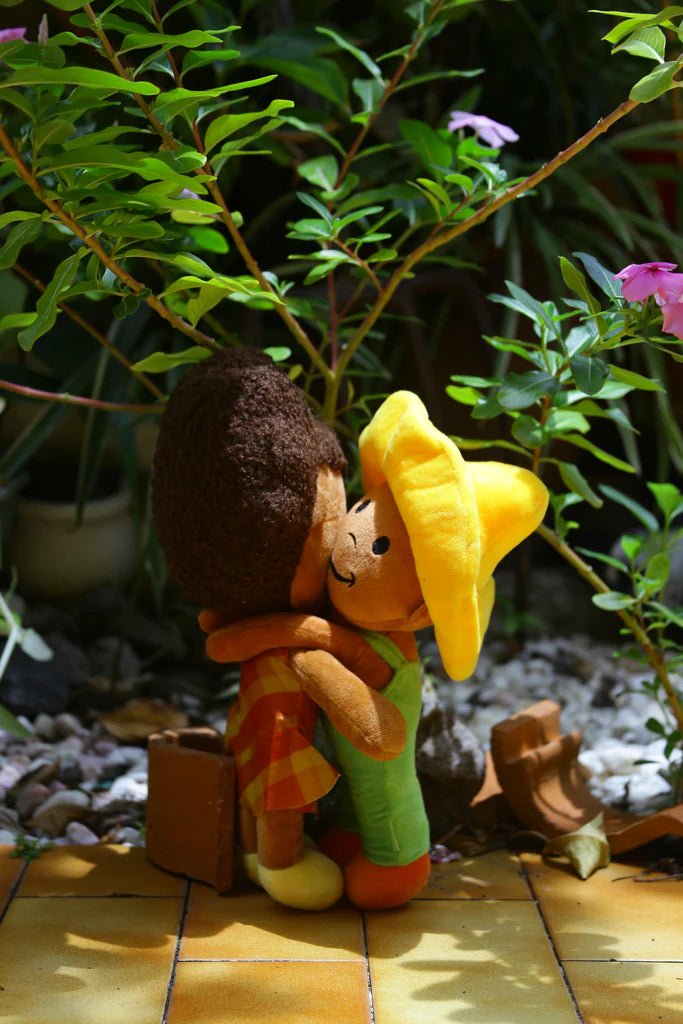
(59, 809)
(80, 835)
(8, 836)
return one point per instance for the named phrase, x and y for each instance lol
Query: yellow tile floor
(96, 935)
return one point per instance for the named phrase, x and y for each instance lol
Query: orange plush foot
(340, 845)
(378, 887)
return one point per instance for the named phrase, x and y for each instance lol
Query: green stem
(654, 656)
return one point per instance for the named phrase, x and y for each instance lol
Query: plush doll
(419, 548)
(248, 497)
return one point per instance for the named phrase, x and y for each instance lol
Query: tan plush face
(372, 579)
(308, 585)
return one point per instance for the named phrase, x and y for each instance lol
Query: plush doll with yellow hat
(420, 547)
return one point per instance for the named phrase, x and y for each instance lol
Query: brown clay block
(191, 805)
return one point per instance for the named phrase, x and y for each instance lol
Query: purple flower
(641, 280)
(491, 132)
(8, 35)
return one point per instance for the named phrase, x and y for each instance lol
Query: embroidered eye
(381, 546)
(363, 504)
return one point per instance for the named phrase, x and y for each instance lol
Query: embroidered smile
(349, 580)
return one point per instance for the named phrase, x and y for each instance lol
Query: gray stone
(450, 764)
(8, 836)
(28, 797)
(45, 726)
(113, 658)
(59, 809)
(67, 725)
(121, 759)
(80, 835)
(29, 687)
(8, 818)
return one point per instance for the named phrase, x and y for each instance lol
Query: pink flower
(492, 133)
(673, 317)
(8, 35)
(669, 296)
(641, 280)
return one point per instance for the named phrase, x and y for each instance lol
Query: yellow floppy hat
(461, 519)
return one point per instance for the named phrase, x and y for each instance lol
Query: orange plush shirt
(270, 732)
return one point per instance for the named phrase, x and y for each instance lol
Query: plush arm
(370, 722)
(250, 637)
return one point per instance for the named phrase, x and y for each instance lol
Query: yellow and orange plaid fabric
(270, 729)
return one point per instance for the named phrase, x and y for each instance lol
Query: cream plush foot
(313, 883)
(250, 862)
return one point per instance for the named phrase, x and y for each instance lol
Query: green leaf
(631, 545)
(574, 479)
(12, 725)
(604, 278)
(634, 380)
(278, 353)
(161, 362)
(320, 75)
(600, 556)
(179, 101)
(657, 569)
(46, 307)
(209, 239)
(640, 513)
(560, 421)
(53, 132)
(528, 432)
(667, 497)
(207, 297)
(228, 124)
(589, 373)
(599, 453)
(659, 81)
(10, 320)
(520, 390)
(360, 55)
(103, 80)
(21, 234)
(191, 40)
(645, 42)
(427, 144)
(613, 601)
(198, 58)
(369, 91)
(322, 171)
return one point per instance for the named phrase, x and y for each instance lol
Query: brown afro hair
(234, 482)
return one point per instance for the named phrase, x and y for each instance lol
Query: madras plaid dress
(270, 729)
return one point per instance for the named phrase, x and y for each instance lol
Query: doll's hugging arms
(334, 665)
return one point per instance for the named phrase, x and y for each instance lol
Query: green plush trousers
(382, 799)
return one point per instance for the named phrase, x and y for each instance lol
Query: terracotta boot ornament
(543, 784)
(419, 548)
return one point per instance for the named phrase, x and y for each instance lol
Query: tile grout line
(14, 888)
(546, 929)
(368, 974)
(176, 955)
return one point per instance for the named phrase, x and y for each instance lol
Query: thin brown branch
(100, 338)
(66, 399)
(449, 234)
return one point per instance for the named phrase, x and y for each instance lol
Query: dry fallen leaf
(140, 718)
(587, 849)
